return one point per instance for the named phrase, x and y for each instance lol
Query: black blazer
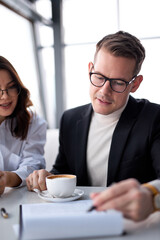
(135, 147)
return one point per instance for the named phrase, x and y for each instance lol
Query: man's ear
(90, 66)
(136, 83)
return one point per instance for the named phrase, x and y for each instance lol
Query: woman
(22, 133)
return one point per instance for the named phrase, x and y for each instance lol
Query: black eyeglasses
(12, 91)
(117, 85)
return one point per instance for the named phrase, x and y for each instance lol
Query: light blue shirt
(23, 156)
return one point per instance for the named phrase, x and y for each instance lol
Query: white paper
(68, 220)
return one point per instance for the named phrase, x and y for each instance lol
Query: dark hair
(20, 118)
(123, 44)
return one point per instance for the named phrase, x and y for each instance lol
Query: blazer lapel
(119, 139)
(82, 130)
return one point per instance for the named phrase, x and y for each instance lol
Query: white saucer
(47, 197)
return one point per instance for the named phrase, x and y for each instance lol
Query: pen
(4, 213)
(91, 208)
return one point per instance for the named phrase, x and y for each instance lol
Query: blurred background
(51, 42)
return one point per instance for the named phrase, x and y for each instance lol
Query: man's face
(104, 99)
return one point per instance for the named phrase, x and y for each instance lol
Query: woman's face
(8, 98)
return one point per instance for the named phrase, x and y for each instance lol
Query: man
(114, 139)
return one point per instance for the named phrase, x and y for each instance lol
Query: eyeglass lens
(11, 91)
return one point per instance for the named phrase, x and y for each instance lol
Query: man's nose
(106, 87)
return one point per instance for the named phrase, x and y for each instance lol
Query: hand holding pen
(127, 196)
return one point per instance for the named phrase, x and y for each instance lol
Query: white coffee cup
(61, 185)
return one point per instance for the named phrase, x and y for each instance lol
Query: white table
(12, 198)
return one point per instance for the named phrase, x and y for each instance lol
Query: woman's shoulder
(37, 120)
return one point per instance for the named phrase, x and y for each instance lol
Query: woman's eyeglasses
(12, 91)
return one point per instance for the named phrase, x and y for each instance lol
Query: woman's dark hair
(21, 116)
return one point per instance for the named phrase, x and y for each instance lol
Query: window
(46, 55)
(86, 21)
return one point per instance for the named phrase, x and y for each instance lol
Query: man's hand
(128, 196)
(37, 180)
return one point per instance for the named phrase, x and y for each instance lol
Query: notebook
(67, 220)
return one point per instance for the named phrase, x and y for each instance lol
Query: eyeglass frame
(6, 90)
(111, 79)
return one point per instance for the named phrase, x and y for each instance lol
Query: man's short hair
(123, 44)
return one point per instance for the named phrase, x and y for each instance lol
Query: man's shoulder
(80, 110)
(142, 109)
(144, 104)
(71, 116)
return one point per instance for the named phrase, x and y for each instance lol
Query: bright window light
(17, 46)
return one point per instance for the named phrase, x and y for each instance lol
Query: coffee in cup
(61, 185)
